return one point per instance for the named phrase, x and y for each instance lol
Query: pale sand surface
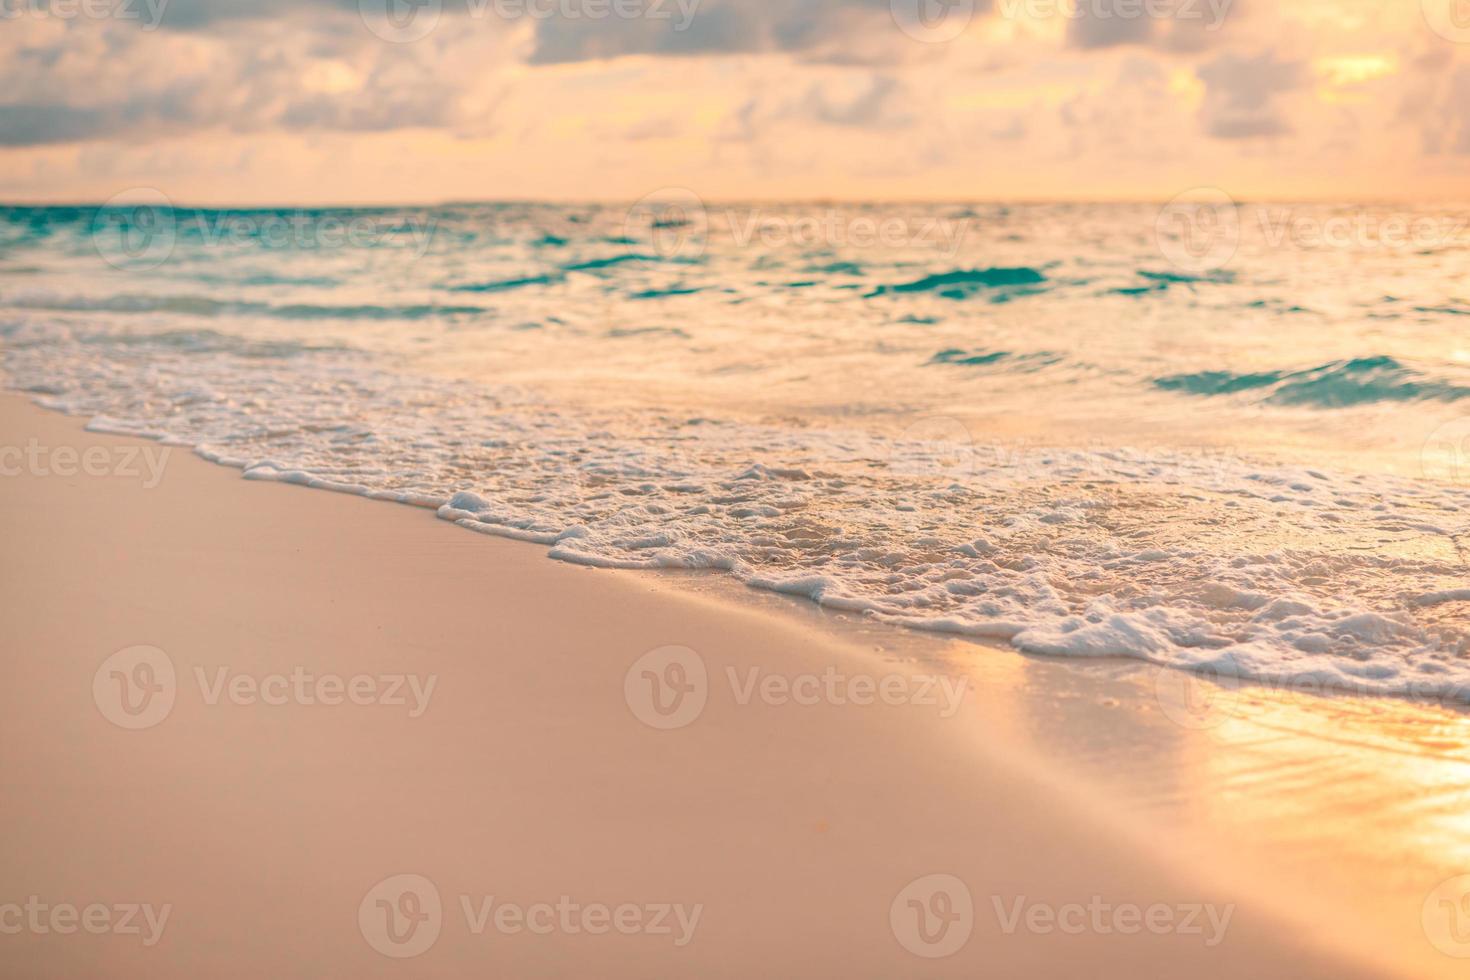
(529, 778)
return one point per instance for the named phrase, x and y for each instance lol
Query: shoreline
(530, 774)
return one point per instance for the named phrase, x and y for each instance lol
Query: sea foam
(1202, 562)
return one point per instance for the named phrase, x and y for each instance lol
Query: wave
(1184, 278)
(593, 265)
(204, 306)
(965, 283)
(267, 279)
(619, 333)
(1162, 282)
(984, 358)
(664, 293)
(1079, 553)
(837, 269)
(170, 342)
(1340, 384)
(505, 285)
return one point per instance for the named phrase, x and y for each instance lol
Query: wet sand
(632, 775)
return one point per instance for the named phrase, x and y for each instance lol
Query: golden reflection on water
(1348, 816)
(1345, 813)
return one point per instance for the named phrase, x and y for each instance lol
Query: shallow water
(1240, 446)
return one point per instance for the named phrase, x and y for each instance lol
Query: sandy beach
(724, 489)
(347, 709)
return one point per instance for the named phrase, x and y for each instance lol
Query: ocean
(1226, 437)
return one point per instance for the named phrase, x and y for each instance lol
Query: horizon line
(728, 201)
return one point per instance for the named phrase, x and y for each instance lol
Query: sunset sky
(302, 101)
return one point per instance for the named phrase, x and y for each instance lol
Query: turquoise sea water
(1233, 438)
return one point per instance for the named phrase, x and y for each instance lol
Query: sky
(421, 101)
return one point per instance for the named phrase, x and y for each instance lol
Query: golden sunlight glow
(330, 78)
(1356, 69)
(1342, 79)
(1187, 86)
(889, 116)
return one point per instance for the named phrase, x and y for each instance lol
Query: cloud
(842, 31)
(34, 124)
(758, 97)
(1457, 123)
(1241, 95)
(874, 108)
(1436, 99)
(836, 31)
(873, 102)
(107, 81)
(1445, 115)
(1172, 25)
(193, 15)
(1089, 29)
